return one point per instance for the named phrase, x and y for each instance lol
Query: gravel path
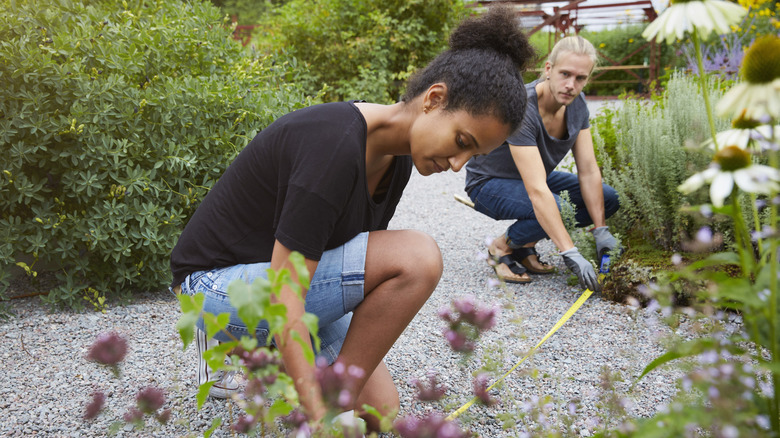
(45, 382)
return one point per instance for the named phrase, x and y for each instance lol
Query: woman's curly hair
(483, 68)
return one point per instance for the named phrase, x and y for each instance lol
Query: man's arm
(529, 164)
(589, 175)
(296, 365)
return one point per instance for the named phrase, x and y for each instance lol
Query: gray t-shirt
(499, 163)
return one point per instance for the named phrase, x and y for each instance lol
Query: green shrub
(360, 49)
(649, 160)
(115, 120)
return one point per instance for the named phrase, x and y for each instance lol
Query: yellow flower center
(762, 60)
(732, 158)
(744, 123)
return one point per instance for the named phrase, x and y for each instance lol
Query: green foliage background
(360, 49)
(643, 154)
(115, 120)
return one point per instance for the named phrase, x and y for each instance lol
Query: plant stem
(757, 222)
(704, 87)
(773, 284)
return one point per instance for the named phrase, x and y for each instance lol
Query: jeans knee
(611, 201)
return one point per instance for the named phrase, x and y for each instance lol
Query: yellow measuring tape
(574, 307)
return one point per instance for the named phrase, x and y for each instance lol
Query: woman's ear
(435, 97)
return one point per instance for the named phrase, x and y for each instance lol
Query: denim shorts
(335, 291)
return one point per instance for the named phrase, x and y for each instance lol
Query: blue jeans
(336, 289)
(503, 199)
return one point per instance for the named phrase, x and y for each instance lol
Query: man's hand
(581, 268)
(605, 241)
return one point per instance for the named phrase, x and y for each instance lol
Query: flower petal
(721, 187)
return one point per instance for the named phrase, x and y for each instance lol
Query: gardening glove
(581, 268)
(605, 241)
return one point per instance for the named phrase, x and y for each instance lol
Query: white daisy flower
(742, 136)
(705, 16)
(759, 96)
(751, 100)
(733, 165)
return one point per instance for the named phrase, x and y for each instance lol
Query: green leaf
(279, 408)
(203, 393)
(311, 321)
(191, 307)
(308, 353)
(299, 263)
(215, 423)
(686, 349)
(215, 324)
(250, 301)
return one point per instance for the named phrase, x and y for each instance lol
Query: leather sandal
(508, 270)
(529, 258)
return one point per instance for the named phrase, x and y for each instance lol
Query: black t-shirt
(300, 181)
(500, 164)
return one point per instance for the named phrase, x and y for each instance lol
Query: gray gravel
(45, 381)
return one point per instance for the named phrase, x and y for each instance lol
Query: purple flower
(704, 235)
(464, 305)
(133, 415)
(484, 319)
(480, 390)
(338, 383)
(95, 406)
(431, 390)
(256, 360)
(164, 416)
(244, 424)
(431, 426)
(149, 400)
(459, 342)
(254, 389)
(108, 349)
(445, 314)
(294, 419)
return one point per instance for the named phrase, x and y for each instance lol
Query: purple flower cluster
(432, 426)
(148, 401)
(338, 383)
(466, 322)
(298, 424)
(95, 406)
(108, 349)
(481, 390)
(430, 390)
(257, 359)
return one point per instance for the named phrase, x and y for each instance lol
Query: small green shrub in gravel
(115, 120)
(649, 160)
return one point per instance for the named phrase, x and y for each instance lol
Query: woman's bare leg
(403, 268)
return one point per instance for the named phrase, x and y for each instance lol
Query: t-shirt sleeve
(526, 134)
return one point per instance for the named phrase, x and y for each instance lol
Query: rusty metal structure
(563, 18)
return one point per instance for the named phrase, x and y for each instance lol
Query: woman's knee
(408, 254)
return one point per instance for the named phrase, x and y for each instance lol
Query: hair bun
(496, 30)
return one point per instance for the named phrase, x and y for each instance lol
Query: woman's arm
(296, 365)
(529, 164)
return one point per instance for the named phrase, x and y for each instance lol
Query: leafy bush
(114, 122)
(247, 11)
(360, 49)
(649, 160)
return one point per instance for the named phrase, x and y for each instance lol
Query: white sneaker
(225, 383)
